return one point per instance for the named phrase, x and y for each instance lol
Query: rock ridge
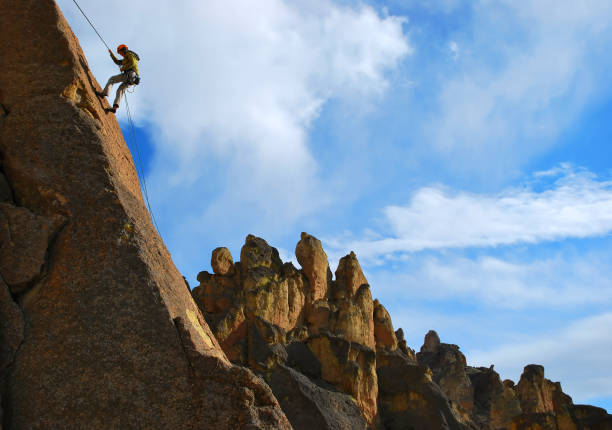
(323, 344)
(97, 327)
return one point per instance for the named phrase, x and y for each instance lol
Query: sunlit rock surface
(334, 361)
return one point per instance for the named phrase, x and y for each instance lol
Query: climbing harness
(139, 169)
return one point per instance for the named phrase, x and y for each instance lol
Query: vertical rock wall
(98, 329)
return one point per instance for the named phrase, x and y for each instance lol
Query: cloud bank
(561, 282)
(525, 73)
(238, 84)
(576, 205)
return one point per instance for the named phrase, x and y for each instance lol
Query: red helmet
(121, 48)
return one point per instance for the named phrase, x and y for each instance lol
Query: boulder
(309, 406)
(261, 292)
(448, 365)
(541, 398)
(592, 417)
(431, 343)
(352, 317)
(408, 397)
(495, 403)
(221, 261)
(256, 253)
(349, 366)
(349, 277)
(267, 304)
(313, 260)
(534, 392)
(401, 343)
(383, 328)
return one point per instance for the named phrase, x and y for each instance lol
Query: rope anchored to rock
(90, 23)
(139, 169)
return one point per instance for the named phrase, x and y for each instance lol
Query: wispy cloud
(526, 72)
(576, 205)
(577, 355)
(559, 282)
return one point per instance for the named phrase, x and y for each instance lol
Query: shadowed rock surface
(449, 366)
(310, 406)
(98, 329)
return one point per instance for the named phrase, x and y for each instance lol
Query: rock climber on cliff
(127, 77)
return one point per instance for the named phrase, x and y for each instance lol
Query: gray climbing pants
(126, 79)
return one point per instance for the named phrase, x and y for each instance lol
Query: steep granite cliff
(97, 327)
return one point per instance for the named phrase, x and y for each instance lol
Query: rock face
(495, 403)
(309, 253)
(448, 365)
(267, 315)
(221, 261)
(97, 327)
(310, 406)
(332, 358)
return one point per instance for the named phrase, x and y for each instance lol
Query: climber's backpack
(136, 80)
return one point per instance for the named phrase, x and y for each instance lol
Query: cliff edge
(98, 328)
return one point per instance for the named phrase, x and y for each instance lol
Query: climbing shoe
(100, 94)
(113, 109)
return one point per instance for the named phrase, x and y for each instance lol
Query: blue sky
(461, 149)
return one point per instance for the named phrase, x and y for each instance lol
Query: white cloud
(561, 282)
(526, 72)
(577, 206)
(238, 78)
(230, 90)
(577, 355)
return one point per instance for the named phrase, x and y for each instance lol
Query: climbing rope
(139, 169)
(92, 26)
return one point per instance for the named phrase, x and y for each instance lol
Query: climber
(128, 77)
